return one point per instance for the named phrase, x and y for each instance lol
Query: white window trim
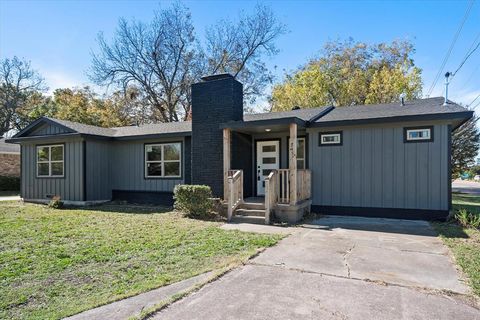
(322, 135)
(162, 162)
(50, 161)
(419, 138)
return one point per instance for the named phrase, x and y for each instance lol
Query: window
(50, 161)
(330, 139)
(421, 134)
(301, 154)
(163, 160)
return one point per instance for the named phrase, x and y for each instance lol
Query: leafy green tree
(465, 145)
(351, 73)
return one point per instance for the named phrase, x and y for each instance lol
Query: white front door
(268, 159)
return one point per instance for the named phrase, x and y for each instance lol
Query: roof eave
(464, 115)
(265, 122)
(154, 136)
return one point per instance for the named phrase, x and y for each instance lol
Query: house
(387, 160)
(9, 159)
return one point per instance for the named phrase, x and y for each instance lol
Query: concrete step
(248, 219)
(253, 205)
(250, 212)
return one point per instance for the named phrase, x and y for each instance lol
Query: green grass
(55, 263)
(9, 193)
(464, 242)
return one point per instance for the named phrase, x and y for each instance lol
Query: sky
(59, 36)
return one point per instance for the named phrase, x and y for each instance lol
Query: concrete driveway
(465, 186)
(340, 268)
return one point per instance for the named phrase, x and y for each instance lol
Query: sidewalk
(133, 306)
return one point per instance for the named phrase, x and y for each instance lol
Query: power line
(444, 62)
(471, 76)
(474, 101)
(478, 104)
(469, 53)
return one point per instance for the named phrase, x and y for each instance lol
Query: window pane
(269, 160)
(172, 169)
(272, 148)
(154, 169)
(300, 164)
(43, 169)
(423, 134)
(57, 153)
(301, 148)
(333, 138)
(266, 172)
(154, 153)
(57, 168)
(42, 154)
(172, 151)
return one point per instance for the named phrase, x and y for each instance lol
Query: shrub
(193, 200)
(56, 203)
(467, 219)
(9, 183)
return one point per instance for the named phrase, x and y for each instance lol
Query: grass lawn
(464, 242)
(55, 263)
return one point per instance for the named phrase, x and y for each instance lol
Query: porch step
(248, 219)
(250, 212)
(253, 205)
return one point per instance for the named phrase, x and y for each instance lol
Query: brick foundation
(9, 165)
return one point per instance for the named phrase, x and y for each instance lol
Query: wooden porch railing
(283, 186)
(304, 177)
(271, 194)
(303, 185)
(235, 191)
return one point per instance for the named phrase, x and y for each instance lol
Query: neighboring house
(9, 159)
(387, 160)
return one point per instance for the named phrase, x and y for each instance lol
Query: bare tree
(18, 81)
(155, 57)
(240, 47)
(164, 58)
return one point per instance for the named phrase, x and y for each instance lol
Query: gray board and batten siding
(70, 186)
(107, 165)
(375, 168)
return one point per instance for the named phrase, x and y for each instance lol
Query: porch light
(268, 130)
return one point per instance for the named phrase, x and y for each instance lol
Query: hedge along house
(389, 160)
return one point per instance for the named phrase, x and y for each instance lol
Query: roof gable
(43, 127)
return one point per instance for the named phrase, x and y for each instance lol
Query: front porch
(277, 189)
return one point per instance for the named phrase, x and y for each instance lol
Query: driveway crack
(345, 256)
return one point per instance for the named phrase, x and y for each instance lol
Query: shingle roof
(157, 128)
(418, 107)
(314, 116)
(85, 128)
(303, 114)
(8, 147)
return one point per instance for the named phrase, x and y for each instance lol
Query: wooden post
(267, 201)
(230, 199)
(292, 157)
(226, 161)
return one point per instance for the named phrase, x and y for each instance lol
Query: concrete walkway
(10, 198)
(133, 306)
(340, 268)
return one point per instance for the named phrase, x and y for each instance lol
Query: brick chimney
(215, 100)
